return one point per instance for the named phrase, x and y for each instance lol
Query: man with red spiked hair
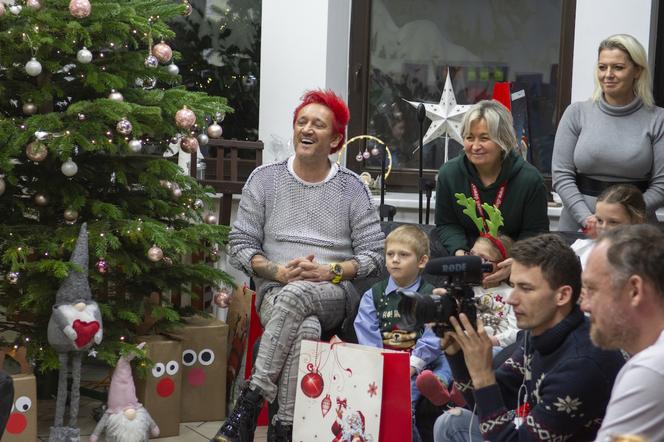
(305, 228)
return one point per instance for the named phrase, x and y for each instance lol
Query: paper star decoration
(92, 353)
(445, 116)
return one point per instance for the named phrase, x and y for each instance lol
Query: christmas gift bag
(339, 393)
(160, 390)
(238, 320)
(204, 342)
(22, 422)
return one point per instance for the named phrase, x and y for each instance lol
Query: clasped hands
(305, 268)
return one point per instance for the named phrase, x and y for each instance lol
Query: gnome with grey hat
(75, 326)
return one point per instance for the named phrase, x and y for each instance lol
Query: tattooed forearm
(264, 268)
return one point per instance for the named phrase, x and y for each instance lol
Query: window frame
(358, 80)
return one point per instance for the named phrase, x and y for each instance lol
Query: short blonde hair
(507, 243)
(498, 120)
(637, 55)
(412, 236)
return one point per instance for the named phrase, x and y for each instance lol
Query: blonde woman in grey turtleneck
(616, 137)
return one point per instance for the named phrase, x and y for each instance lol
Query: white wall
(304, 45)
(596, 20)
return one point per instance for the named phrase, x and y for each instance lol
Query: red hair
(333, 102)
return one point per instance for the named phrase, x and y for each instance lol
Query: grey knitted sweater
(609, 143)
(282, 217)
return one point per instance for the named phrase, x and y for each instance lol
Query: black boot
(241, 423)
(280, 433)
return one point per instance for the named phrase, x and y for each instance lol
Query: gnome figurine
(75, 326)
(125, 419)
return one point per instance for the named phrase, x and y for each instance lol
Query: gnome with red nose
(75, 326)
(125, 419)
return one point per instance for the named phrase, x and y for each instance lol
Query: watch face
(336, 269)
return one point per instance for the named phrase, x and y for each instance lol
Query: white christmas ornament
(84, 56)
(33, 67)
(115, 95)
(445, 116)
(69, 168)
(15, 9)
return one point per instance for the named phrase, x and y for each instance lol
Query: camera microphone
(465, 268)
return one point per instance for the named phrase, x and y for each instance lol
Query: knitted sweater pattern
(282, 217)
(567, 383)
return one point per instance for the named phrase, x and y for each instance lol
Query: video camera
(461, 272)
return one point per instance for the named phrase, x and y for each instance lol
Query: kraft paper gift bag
(22, 422)
(339, 393)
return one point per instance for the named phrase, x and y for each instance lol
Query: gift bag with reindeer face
(22, 421)
(339, 392)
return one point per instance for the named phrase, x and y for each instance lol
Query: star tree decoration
(445, 116)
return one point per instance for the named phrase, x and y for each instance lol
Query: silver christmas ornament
(151, 62)
(84, 56)
(214, 130)
(155, 254)
(198, 204)
(146, 83)
(29, 108)
(41, 199)
(210, 219)
(366, 155)
(135, 145)
(375, 151)
(189, 9)
(69, 168)
(173, 69)
(115, 96)
(81, 117)
(168, 185)
(33, 67)
(219, 117)
(203, 139)
(12, 277)
(359, 157)
(124, 127)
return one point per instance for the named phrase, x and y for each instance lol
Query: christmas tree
(88, 90)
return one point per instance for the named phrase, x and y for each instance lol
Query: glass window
(220, 46)
(414, 44)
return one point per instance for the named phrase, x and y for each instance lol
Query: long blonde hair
(637, 55)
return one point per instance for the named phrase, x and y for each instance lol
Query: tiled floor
(189, 432)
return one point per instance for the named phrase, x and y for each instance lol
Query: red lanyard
(478, 202)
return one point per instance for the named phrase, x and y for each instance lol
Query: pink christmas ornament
(163, 52)
(185, 118)
(189, 144)
(80, 8)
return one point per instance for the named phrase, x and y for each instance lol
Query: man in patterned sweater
(556, 385)
(305, 228)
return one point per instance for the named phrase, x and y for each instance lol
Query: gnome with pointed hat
(75, 326)
(125, 419)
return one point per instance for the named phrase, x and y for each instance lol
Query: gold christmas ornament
(36, 151)
(210, 219)
(155, 254)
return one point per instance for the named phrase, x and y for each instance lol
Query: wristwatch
(337, 271)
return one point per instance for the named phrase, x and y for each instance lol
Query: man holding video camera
(556, 384)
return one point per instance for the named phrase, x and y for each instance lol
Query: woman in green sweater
(489, 172)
